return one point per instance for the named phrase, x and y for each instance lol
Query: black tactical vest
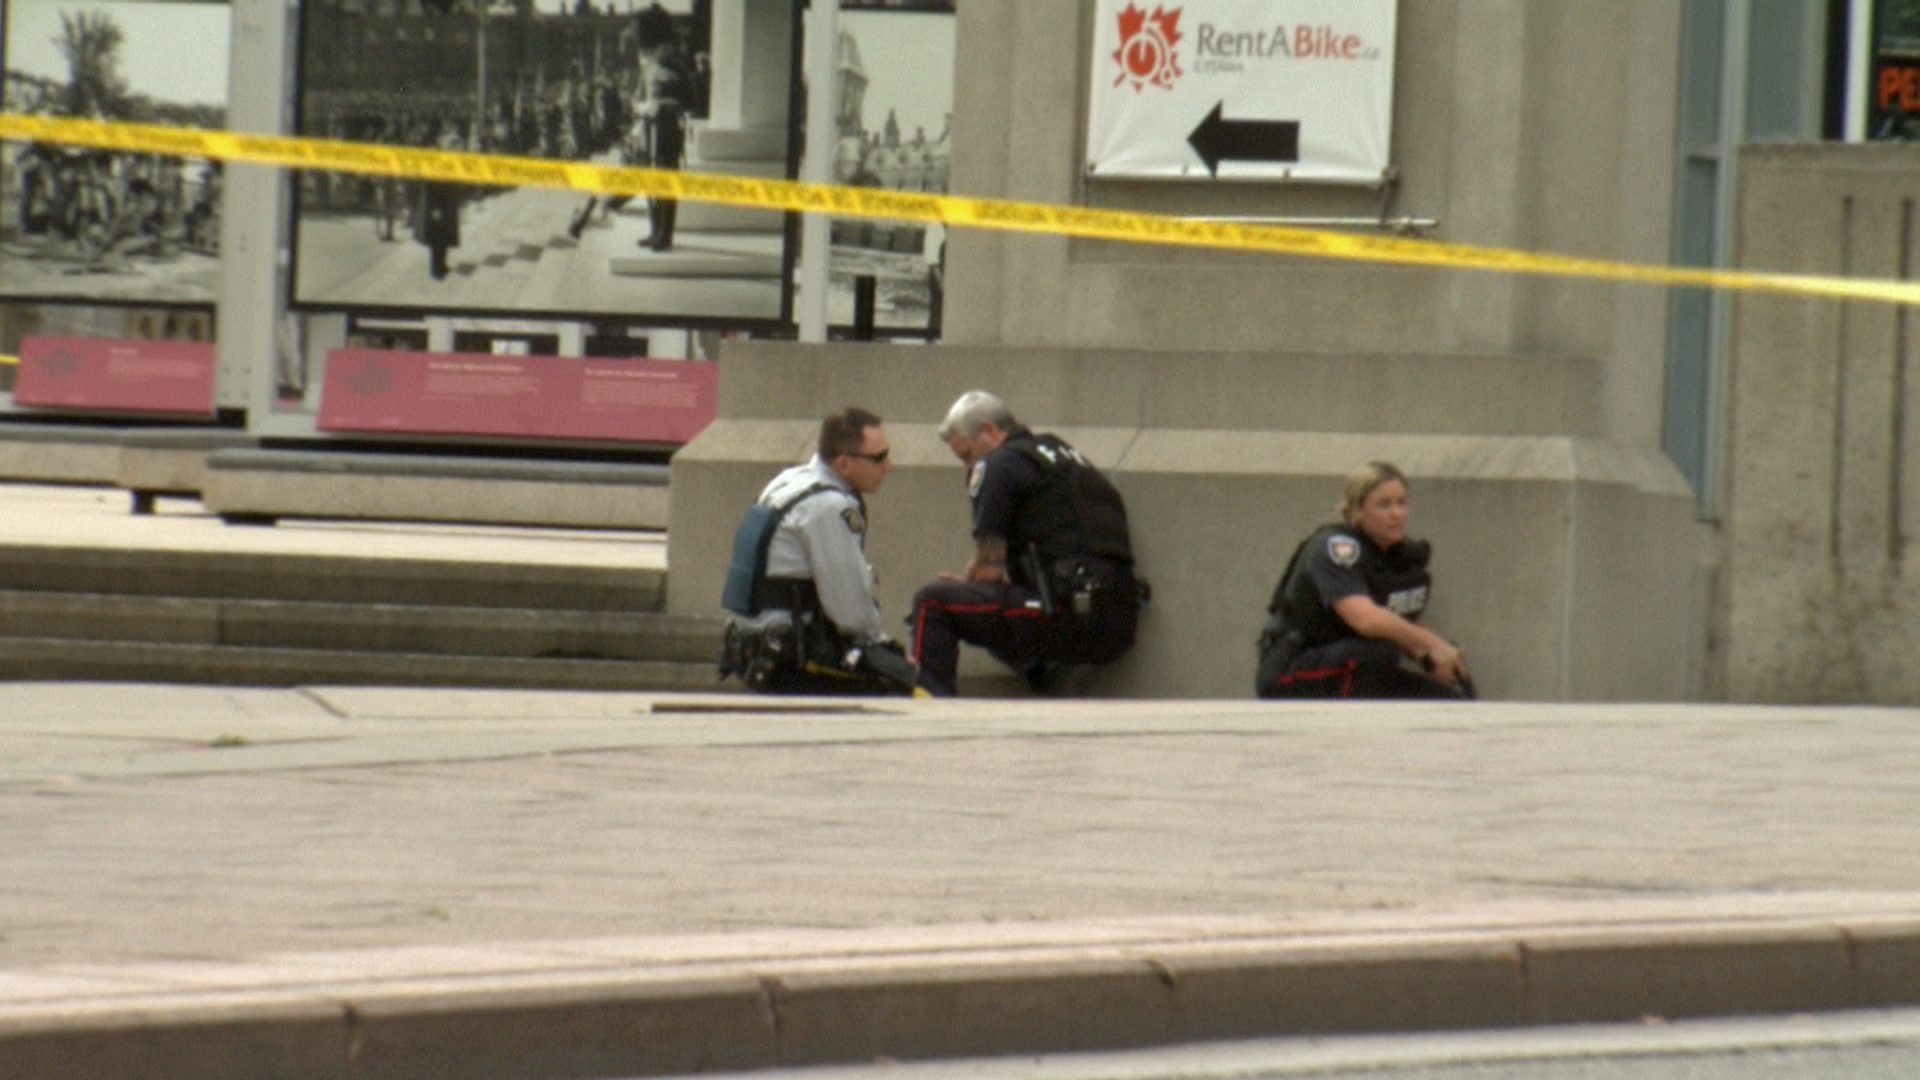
(1396, 580)
(1076, 513)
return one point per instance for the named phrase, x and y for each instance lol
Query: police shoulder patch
(1344, 550)
(977, 477)
(856, 523)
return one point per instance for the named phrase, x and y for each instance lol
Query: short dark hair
(844, 431)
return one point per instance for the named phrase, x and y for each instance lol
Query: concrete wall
(1552, 545)
(1536, 126)
(1228, 395)
(1823, 495)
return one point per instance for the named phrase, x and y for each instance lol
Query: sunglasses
(877, 459)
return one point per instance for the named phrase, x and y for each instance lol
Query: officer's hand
(1447, 664)
(993, 572)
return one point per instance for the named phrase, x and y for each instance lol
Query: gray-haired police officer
(805, 619)
(1051, 581)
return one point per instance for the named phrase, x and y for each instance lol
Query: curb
(721, 1009)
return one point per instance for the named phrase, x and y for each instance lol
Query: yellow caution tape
(793, 195)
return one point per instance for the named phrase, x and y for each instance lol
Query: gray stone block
(1886, 959)
(171, 462)
(717, 1026)
(263, 485)
(1323, 991)
(1617, 978)
(59, 453)
(1551, 550)
(294, 1041)
(966, 1011)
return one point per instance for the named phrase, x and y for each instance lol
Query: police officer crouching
(1345, 617)
(1051, 580)
(799, 586)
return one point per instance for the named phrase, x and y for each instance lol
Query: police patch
(977, 477)
(855, 522)
(1343, 550)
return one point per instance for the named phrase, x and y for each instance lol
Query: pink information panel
(114, 375)
(534, 397)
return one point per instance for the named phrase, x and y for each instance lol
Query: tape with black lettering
(841, 201)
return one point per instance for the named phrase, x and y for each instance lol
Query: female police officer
(1346, 613)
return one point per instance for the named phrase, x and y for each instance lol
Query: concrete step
(762, 168)
(691, 259)
(54, 453)
(329, 579)
(711, 145)
(73, 659)
(395, 628)
(720, 218)
(262, 486)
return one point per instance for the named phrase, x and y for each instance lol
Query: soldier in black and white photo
(607, 84)
(94, 224)
(668, 91)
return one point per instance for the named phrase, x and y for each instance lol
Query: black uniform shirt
(1339, 561)
(1000, 484)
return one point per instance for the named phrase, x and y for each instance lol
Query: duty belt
(788, 594)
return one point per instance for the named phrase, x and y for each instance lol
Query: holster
(1086, 588)
(801, 652)
(760, 650)
(1279, 643)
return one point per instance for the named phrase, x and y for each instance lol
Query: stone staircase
(280, 620)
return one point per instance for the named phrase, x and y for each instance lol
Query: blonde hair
(1363, 481)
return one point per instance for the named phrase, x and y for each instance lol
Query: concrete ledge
(1215, 515)
(1457, 394)
(967, 1011)
(794, 998)
(1417, 988)
(60, 659)
(1625, 976)
(533, 633)
(1886, 961)
(290, 1041)
(581, 1031)
(1226, 461)
(59, 453)
(171, 462)
(329, 578)
(261, 486)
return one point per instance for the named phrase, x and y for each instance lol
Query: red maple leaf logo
(1146, 53)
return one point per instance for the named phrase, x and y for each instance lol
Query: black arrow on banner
(1218, 139)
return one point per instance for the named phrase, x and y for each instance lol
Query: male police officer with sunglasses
(799, 584)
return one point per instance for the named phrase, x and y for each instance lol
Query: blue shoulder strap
(747, 566)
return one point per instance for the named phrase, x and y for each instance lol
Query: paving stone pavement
(151, 823)
(333, 882)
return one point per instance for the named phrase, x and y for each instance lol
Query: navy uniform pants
(1356, 667)
(1009, 622)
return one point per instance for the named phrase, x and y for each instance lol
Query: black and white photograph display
(893, 120)
(99, 226)
(609, 81)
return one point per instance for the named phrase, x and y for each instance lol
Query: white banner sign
(1267, 89)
